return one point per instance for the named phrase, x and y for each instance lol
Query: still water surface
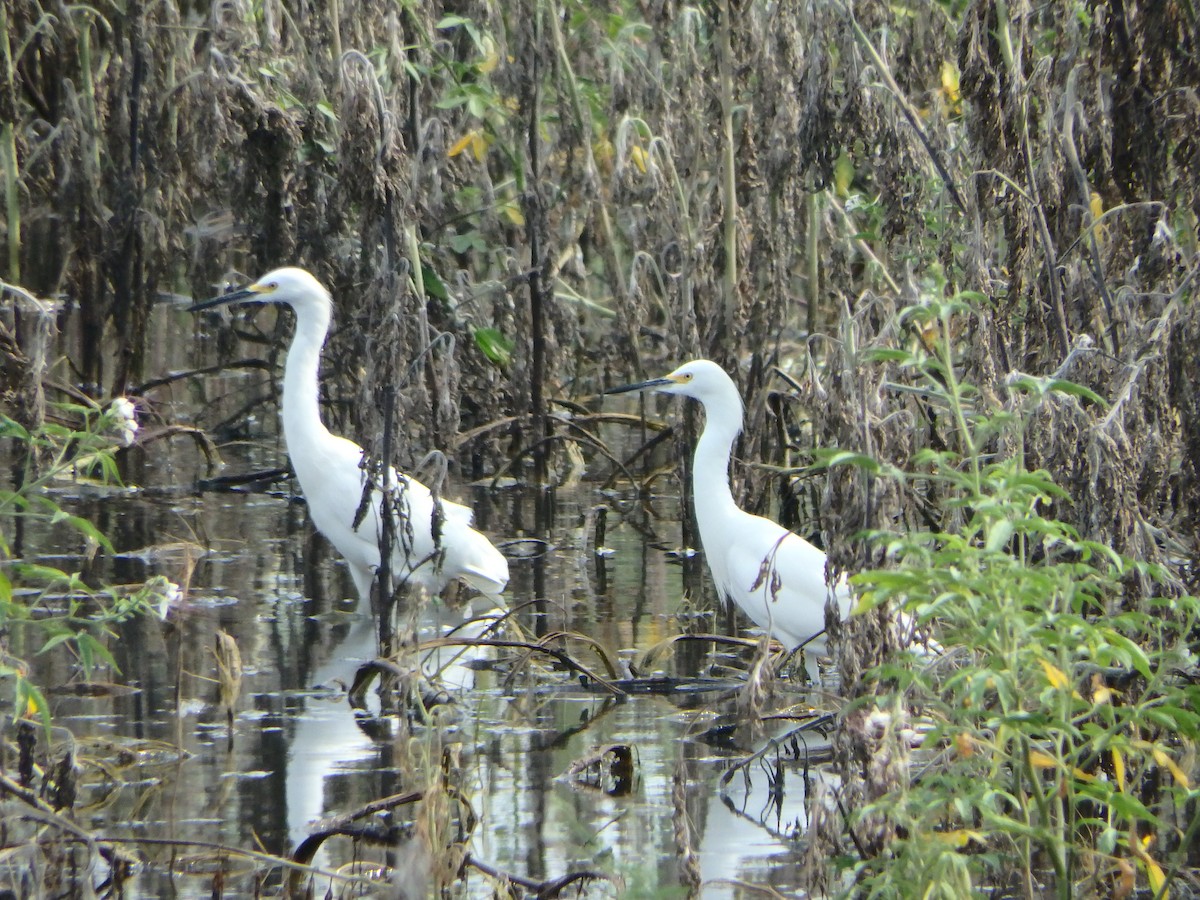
(298, 751)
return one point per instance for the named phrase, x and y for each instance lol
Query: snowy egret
(775, 576)
(333, 478)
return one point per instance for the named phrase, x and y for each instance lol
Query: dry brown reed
(518, 203)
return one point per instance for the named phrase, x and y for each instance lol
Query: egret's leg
(363, 579)
(811, 667)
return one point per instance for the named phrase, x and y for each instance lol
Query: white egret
(332, 476)
(776, 577)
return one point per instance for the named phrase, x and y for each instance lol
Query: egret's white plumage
(776, 577)
(332, 476)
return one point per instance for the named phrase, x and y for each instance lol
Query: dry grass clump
(514, 205)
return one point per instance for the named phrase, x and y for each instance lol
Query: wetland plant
(1057, 737)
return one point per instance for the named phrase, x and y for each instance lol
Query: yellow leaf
(1101, 693)
(1096, 207)
(1163, 759)
(602, 150)
(479, 146)
(959, 837)
(1118, 762)
(491, 57)
(1154, 874)
(1040, 760)
(639, 157)
(950, 82)
(1054, 675)
(462, 144)
(513, 213)
(843, 175)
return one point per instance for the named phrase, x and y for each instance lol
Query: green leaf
(465, 243)
(89, 650)
(1175, 720)
(1137, 656)
(451, 102)
(1128, 807)
(973, 296)
(887, 354)
(10, 428)
(848, 458)
(452, 21)
(1078, 390)
(494, 344)
(88, 530)
(325, 108)
(998, 535)
(434, 286)
(55, 640)
(45, 574)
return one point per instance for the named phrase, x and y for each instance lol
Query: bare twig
(905, 107)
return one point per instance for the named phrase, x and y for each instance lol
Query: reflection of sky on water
(299, 752)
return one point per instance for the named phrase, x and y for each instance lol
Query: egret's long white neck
(710, 469)
(301, 405)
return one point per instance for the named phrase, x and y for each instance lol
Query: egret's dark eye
(273, 286)
(687, 376)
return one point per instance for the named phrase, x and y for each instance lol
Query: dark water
(158, 762)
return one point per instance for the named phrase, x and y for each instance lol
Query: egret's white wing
(778, 579)
(333, 485)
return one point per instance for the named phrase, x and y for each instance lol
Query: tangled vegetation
(950, 243)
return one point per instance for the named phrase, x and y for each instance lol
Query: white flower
(124, 416)
(169, 596)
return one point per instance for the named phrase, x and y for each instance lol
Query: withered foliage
(611, 192)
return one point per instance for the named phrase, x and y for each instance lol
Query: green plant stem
(954, 395)
(1004, 36)
(1054, 849)
(88, 82)
(12, 200)
(335, 30)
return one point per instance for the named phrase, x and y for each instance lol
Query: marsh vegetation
(948, 250)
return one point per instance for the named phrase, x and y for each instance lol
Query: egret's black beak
(640, 386)
(242, 295)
